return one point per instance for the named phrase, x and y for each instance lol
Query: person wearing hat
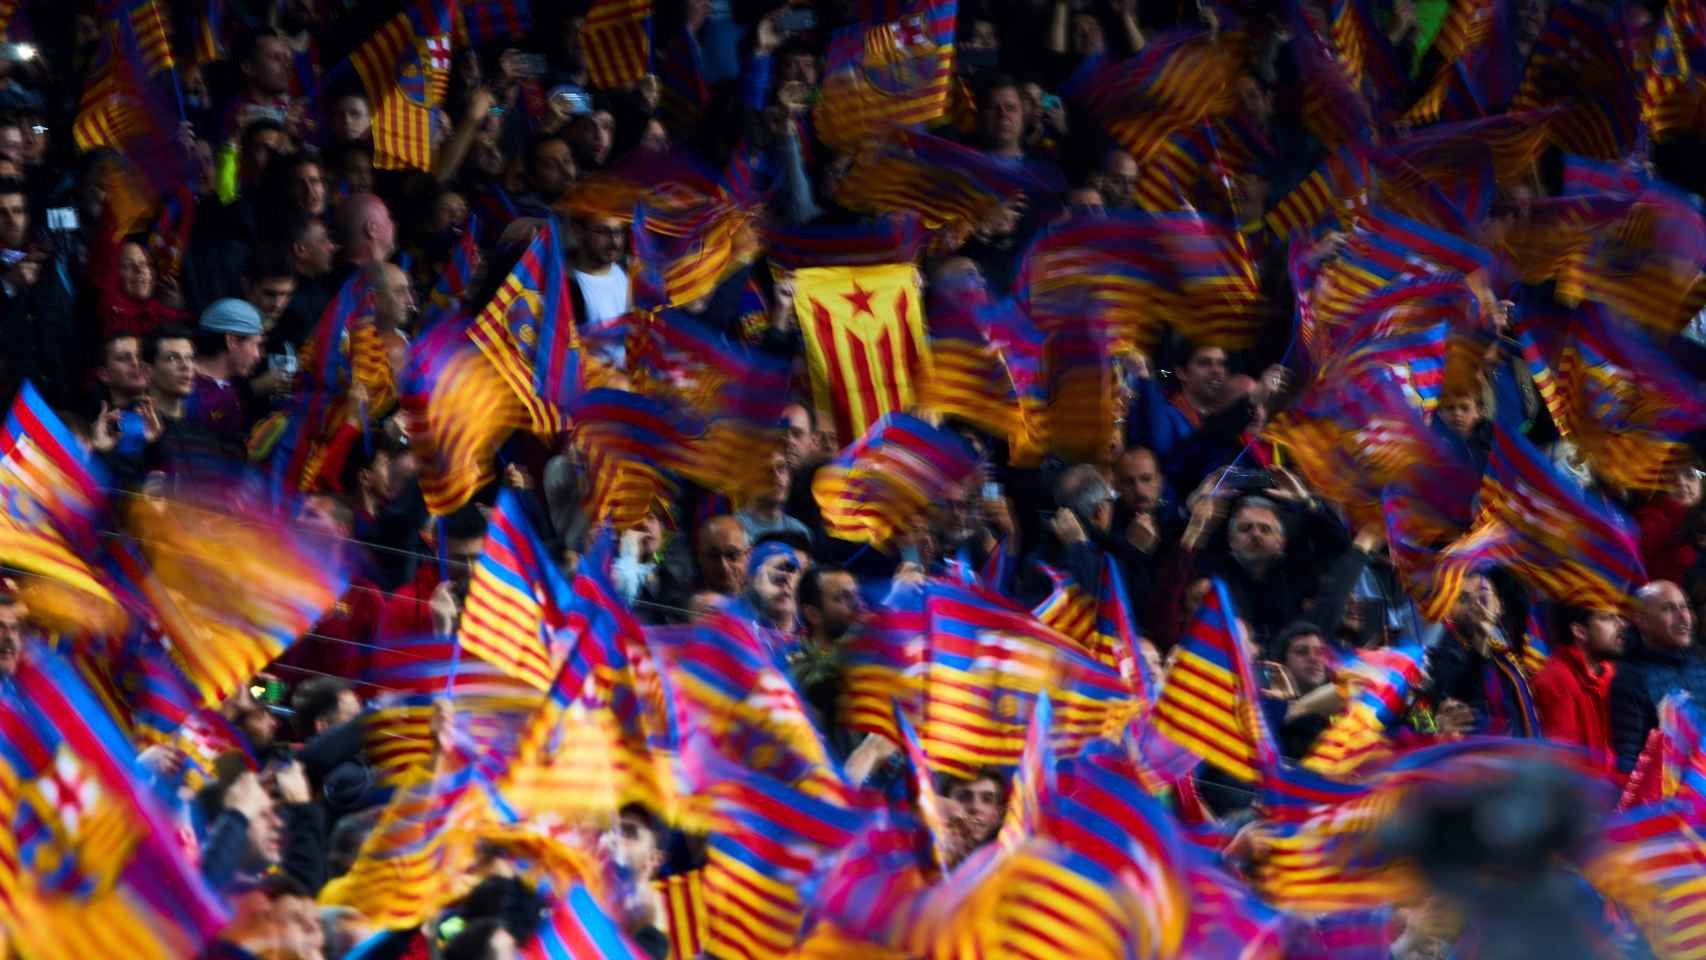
(227, 350)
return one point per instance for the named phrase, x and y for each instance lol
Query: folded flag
(578, 928)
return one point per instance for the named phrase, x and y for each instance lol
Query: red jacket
(1574, 705)
(341, 644)
(406, 614)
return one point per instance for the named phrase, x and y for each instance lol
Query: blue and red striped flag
(890, 238)
(1209, 699)
(517, 615)
(1379, 685)
(128, 101)
(147, 899)
(455, 277)
(578, 928)
(892, 72)
(1177, 81)
(405, 69)
(948, 185)
(482, 22)
(1683, 761)
(527, 331)
(1649, 861)
(891, 476)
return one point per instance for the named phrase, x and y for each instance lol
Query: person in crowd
(976, 808)
(1572, 693)
(13, 614)
(764, 513)
(429, 605)
(274, 916)
(228, 348)
(600, 284)
(1667, 550)
(367, 234)
(36, 321)
(1309, 700)
(722, 555)
(636, 845)
(772, 579)
(1474, 664)
(1664, 659)
(337, 645)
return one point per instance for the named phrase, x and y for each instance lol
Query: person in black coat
(37, 320)
(1664, 661)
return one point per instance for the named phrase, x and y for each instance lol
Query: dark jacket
(44, 344)
(1642, 681)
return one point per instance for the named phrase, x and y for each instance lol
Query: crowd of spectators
(164, 359)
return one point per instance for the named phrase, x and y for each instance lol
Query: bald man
(723, 548)
(1666, 660)
(368, 234)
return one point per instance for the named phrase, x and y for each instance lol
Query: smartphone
(17, 52)
(62, 219)
(991, 490)
(797, 20)
(1051, 102)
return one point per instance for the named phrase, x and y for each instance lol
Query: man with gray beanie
(227, 349)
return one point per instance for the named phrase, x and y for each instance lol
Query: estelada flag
(865, 346)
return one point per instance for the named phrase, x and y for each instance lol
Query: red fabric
(1574, 704)
(342, 643)
(406, 613)
(1665, 551)
(126, 316)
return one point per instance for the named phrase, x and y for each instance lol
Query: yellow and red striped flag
(618, 42)
(865, 346)
(405, 69)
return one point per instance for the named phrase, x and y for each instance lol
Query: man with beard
(830, 606)
(1201, 424)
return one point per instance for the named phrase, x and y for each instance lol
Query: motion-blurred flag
(617, 37)
(127, 103)
(517, 612)
(865, 341)
(1208, 701)
(1378, 686)
(527, 331)
(578, 928)
(480, 22)
(890, 477)
(405, 69)
(887, 72)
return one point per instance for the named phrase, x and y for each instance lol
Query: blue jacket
(1642, 681)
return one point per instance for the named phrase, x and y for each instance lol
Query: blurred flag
(482, 22)
(1178, 80)
(683, 896)
(527, 331)
(1209, 699)
(1578, 64)
(455, 277)
(458, 410)
(865, 340)
(1377, 688)
(230, 590)
(89, 865)
(578, 928)
(518, 612)
(886, 72)
(889, 238)
(405, 69)
(617, 37)
(946, 184)
(1649, 862)
(129, 102)
(892, 476)
(53, 503)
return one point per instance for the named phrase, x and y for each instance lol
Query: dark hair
(1281, 645)
(252, 133)
(151, 343)
(267, 262)
(505, 900)
(296, 228)
(361, 457)
(811, 415)
(209, 343)
(11, 185)
(1565, 616)
(465, 524)
(643, 813)
(473, 942)
(315, 698)
(277, 886)
(811, 589)
(994, 83)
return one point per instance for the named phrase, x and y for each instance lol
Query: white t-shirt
(606, 295)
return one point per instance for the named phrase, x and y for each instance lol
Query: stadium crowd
(252, 297)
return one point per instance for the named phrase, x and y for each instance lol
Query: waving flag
(1178, 80)
(527, 331)
(405, 69)
(1577, 64)
(890, 477)
(889, 72)
(1378, 689)
(518, 610)
(1208, 701)
(459, 410)
(579, 929)
(891, 238)
(1649, 862)
(102, 877)
(52, 503)
(127, 103)
(865, 341)
(455, 277)
(480, 22)
(1683, 763)
(618, 41)
(943, 182)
